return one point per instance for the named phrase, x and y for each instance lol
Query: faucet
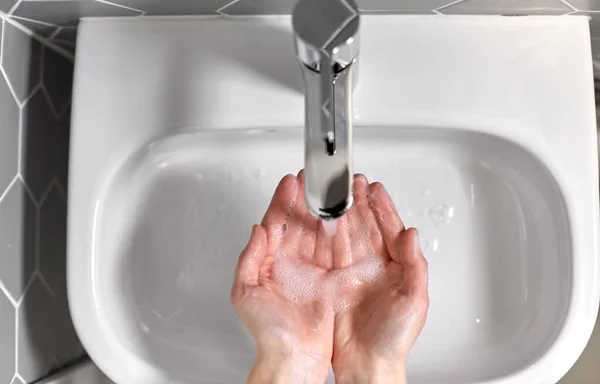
(327, 44)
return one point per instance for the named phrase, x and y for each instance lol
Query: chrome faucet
(327, 43)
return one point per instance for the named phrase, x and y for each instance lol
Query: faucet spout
(327, 44)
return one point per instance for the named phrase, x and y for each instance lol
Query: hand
(372, 339)
(294, 339)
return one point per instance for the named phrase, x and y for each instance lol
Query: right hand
(372, 339)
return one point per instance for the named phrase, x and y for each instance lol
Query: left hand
(294, 340)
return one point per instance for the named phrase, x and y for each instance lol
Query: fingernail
(417, 240)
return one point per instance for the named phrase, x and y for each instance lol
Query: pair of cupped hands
(367, 341)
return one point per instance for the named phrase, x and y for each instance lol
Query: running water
(305, 282)
(330, 226)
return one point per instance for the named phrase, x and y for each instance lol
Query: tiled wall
(36, 334)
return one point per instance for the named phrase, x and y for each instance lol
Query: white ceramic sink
(501, 182)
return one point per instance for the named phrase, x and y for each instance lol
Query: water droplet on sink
(260, 172)
(424, 243)
(232, 176)
(477, 320)
(435, 245)
(199, 176)
(441, 213)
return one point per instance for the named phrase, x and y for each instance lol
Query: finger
(275, 218)
(250, 260)
(302, 227)
(387, 217)
(360, 188)
(411, 258)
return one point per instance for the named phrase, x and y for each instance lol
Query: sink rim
(155, 152)
(92, 154)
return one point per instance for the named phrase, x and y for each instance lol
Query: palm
(292, 326)
(389, 313)
(293, 276)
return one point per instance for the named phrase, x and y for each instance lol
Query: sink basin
(493, 224)
(162, 196)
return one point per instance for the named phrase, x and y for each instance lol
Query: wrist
(371, 372)
(272, 368)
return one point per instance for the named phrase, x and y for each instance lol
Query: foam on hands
(305, 283)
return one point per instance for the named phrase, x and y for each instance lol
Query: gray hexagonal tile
(9, 135)
(260, 7)
(58, 79)
(586, 5)
(405, 5)
(175, 7)
(64, 127)
(41, 144)
(17, 239)
(46, 335)
(69, 11)
(40, 28)
(7, 335)
(17, 380)
(508, 7)
(21, 61)
(6, 5)
(53, 242)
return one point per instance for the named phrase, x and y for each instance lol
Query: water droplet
(441, 213)
(424, 243)
(199, 176)
(427, 192)
(260, 172)
(9, 246)
(330, 226)
(477, 320)
(435, 245)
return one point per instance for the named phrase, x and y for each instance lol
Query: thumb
(409, 255)
(250, 261)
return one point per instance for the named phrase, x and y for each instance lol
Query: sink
(162, 196)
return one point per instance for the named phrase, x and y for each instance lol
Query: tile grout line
(36, 273)
(16, 341)
(45, 194)
(44, 41)
(10, 185)
(44, 23)
(7, 294)
(119, 5)
(10, 87)
(35, 90)
(46, 285)
(568, 4)
(55, 112)
(220, 10)
(438, 9)
(36, 255)
(55, 33)
(20, 176)
(20, 141)
(60, 189)
(14, 7)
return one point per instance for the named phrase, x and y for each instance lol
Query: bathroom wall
(36, 333)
